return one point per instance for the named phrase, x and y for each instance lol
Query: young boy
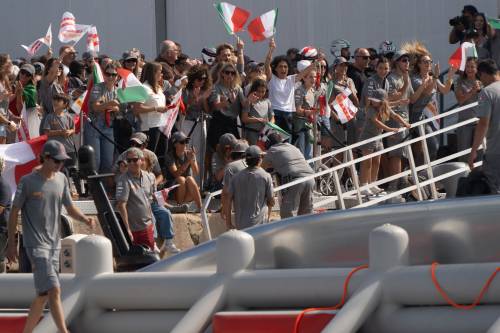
(59, 126)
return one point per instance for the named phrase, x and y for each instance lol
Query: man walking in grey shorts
(40, 196)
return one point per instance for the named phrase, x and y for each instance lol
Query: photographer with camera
(462, 23)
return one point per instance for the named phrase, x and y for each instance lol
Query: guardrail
(351, 162)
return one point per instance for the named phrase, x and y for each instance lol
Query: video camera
(459, 20)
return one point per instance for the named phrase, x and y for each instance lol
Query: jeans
(104, 150)
(164, 221)
(284, 120)
(304, 144)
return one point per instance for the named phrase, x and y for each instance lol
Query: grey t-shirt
(137, 193)
(261, 109)
(396, 82)
(466, 86)
(40, 201)
(287, 160)
(193, 110)
(46, 91)
(495, 47)
(234, 97)
(62, 122)
(178, 162)
(370, 129)
(373, 83)
(232, 169)
(250, 189)
(489, 106)
(100, 92)
(154, 166)
(420, 104)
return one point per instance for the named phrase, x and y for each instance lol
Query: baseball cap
(399, 54)
(227, 139)
(39, 68)
(379, 94)
(130, 55)
(139, 138)
(54, 149)
(253, 152)
(28, 68)
(339, 61)
(178, 137)
(240, 147)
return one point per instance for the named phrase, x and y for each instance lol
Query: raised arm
(269, 58)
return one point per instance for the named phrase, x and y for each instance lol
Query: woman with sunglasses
(26, 96)
(423, 103)
(181, 165)
(52, 83)
(226, 101)
(150, 112)
(103, 106)
(195, 98)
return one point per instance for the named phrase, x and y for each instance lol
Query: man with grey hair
(5, 202)
(168, 52)
(134, 189)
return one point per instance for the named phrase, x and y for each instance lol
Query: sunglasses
(111, 74)
(404, 60)
(56, 161)
(363, 57)
(183, 142)
(25, 72)
(233, 73)
(131, 60)
(426, 61)
(132, 160)
(203, 78)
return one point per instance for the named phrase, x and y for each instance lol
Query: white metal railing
(351, 162)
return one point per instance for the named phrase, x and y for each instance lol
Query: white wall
(365, 23)
(121, 24)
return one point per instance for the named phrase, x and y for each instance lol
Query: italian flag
(344, 107)
(20, 159)
(81, 104)
(459, 58)
(130, 88)
(267, 130)
(263, 26)
(495, 23)
(234, 18)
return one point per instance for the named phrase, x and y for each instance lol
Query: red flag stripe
(239, 18)
(256, 30)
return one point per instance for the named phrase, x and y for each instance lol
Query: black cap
(54, 149)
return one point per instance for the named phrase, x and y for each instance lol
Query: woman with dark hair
(486, 35)
(195, 98)
(467, 88)
(5, 97)
(258, 112)
(180, 163)
(226, 101)
(52, 83)
(282, 87)
(76, 79)
(150, 112)
(26, 96)
(103, 106)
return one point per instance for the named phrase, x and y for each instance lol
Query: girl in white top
(282, 87)
(150, 112)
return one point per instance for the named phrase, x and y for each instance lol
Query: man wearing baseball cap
(251, 190)
(39, 197)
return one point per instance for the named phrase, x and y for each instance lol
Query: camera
(457, 20)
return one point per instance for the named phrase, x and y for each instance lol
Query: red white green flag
(263, 26)
(459, 57)
(234, 18)
(130, 89)
(344, 107)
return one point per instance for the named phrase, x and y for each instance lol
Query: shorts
(396, 139)
(372, 146)
(45, 265)
(145, 237)
(3, 131)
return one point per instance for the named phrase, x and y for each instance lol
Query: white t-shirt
(153, 118)
(282, 93)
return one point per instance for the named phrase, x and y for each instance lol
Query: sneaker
(377, 190)
(170, 246)
(366, 192)
(157, 249)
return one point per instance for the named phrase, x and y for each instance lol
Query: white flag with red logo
(69, 31)
(93, 40)
(344, 107)
(33, 48)
(168, 118)
(20, 159)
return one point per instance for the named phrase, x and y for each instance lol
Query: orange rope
(336, 307)
(450, 301)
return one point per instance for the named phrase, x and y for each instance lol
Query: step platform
(270, 321)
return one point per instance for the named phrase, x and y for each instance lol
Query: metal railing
(351, 162)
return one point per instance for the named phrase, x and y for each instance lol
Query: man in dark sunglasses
(357, 70)
(39, 197)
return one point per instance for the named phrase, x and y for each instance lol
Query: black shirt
(359, 77)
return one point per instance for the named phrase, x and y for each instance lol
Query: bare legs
(55, 305)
